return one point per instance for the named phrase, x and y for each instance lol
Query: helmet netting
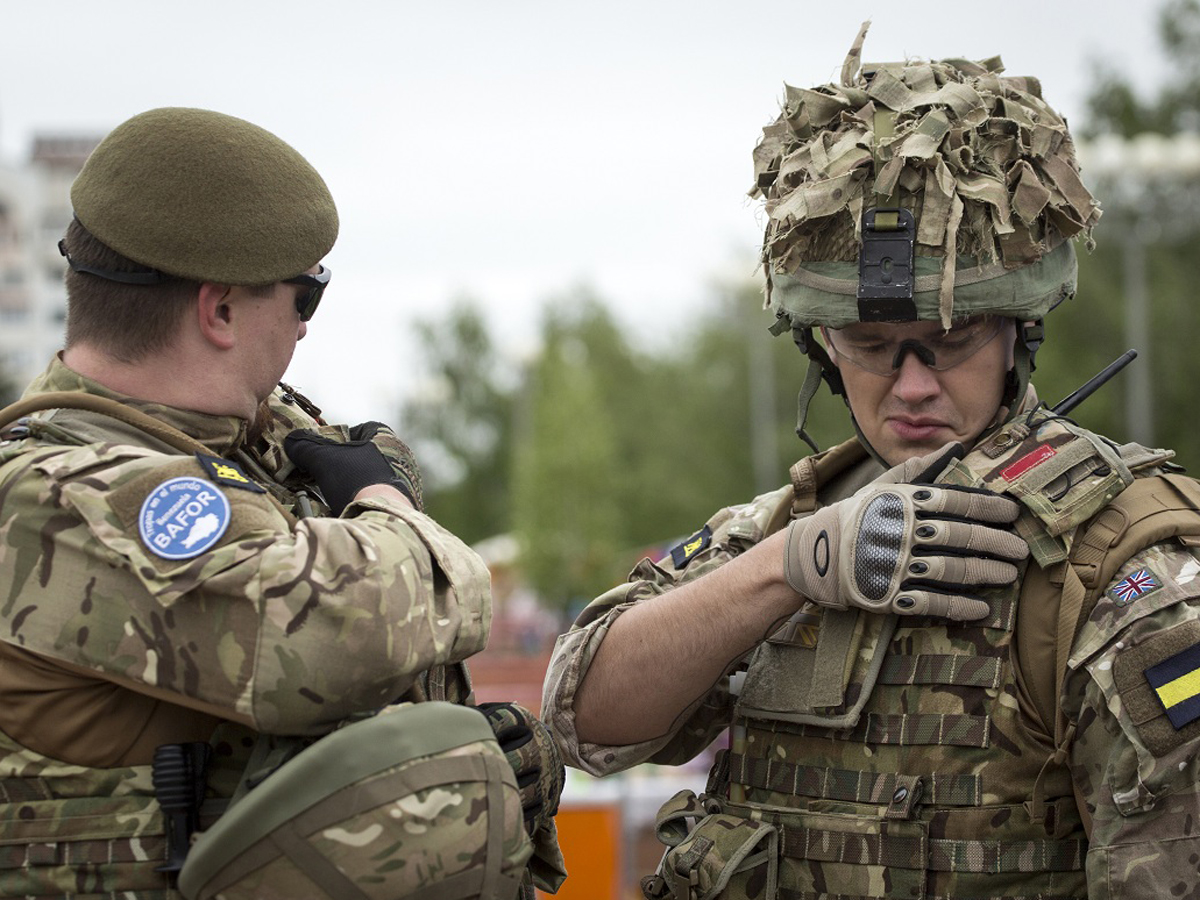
(985, 165)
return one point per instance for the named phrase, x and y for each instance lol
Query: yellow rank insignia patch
(682, 554)
(230, 474)
(1176, 683)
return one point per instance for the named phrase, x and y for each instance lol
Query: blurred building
(35, 209)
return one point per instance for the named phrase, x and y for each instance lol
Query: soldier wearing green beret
(958, 655)
(202, 578)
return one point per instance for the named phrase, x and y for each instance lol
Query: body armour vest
(89, 833)
(876, 756)
(93, 833)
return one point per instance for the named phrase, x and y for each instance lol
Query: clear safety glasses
(879, 347)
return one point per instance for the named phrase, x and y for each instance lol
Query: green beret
(206, 196)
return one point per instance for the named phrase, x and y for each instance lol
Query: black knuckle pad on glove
(879, 545)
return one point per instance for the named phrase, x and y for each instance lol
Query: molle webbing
(914, 730)
(942, 668)
(947, 757)
(846, 784)
(921, 853)
(72, 830)
(131, 853)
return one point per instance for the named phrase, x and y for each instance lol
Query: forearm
(665, 653)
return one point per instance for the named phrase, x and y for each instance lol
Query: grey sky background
(512, 150)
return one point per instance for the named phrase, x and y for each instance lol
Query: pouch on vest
(818, 669)
(722, 853)
(848, 855)
(417, 801)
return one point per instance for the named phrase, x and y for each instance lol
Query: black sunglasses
(308, 301)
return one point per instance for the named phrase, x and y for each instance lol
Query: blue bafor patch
(183, 517)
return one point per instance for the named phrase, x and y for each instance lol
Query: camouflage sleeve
(1135, 759)
(728, 533)
(287, 626)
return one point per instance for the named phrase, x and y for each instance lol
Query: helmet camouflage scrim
(918, 191)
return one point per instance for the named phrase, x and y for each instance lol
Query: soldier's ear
(214, 313)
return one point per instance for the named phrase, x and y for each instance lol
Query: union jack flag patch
(1139, 584)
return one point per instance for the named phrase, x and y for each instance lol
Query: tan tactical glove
(530, 750)
(905, 545)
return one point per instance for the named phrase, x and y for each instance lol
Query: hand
(530, 750)
(373, 455)
(406, 472)
(905, 545)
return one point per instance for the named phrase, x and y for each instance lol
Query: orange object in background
(590, 837)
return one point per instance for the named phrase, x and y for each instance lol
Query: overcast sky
(511, 150)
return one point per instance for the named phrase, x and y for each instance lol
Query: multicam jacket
(245, 614)
(872, 756)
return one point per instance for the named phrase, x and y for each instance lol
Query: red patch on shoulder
(1027, 462)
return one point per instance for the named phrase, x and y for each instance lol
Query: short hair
(127, 321)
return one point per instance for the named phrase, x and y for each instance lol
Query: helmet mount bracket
(885, 266)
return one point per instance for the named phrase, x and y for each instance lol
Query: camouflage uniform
(285, 626)
(1023, 754)
(927, 766)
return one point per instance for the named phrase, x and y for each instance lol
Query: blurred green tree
(1147, 244)
(566, 511)
(1114, 105)
(461, 424)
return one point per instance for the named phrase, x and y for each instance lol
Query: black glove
(530, 750)
(373, 455)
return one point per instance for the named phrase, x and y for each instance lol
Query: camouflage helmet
(205, 196)
(415, 801)
(918, 191)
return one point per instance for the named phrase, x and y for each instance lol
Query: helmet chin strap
(821, 367)
(1029, 337)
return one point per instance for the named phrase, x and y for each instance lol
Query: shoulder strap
(1148, 512)
(811, 473)
(112, 408)
(75, 400)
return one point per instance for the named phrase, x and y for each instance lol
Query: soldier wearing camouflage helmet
(203, 579)
(959, 655)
